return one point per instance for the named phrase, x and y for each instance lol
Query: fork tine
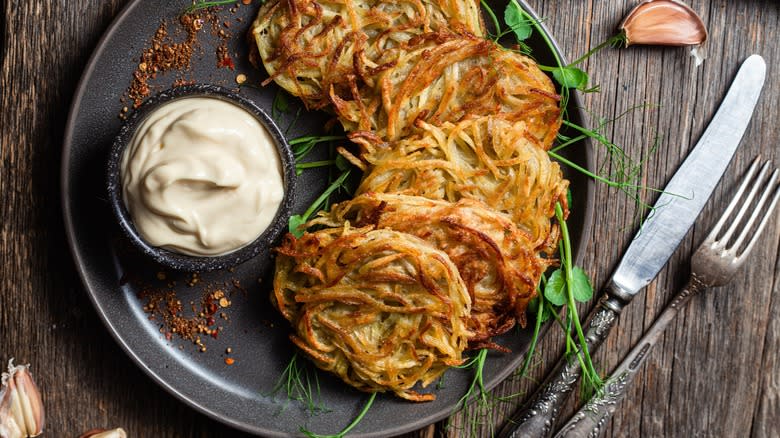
(756, 185)
(711, 238)
(758, 211)
(764, 220)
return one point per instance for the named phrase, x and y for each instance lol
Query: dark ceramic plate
(242, 394)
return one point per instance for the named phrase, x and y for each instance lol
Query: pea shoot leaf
(581, 287)
(342, 164)
(294, 225)
(280, 104)
(571, 77)
(515, 18)
(555, 289)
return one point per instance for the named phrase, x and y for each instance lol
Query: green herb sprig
(477, 388)
(302, 146)
(296, 381)
(207, 4)
(573, 285)
(297, 222)
(563, 287)
(569, 284)
(350, 426)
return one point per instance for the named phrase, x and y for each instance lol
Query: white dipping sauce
(201, 177)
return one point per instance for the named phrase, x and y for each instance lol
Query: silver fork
(713, 264)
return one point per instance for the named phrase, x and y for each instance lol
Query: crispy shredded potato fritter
(488, 159)
(454, 215)
(309, 47)
(495, 258)
(382, 310)
(443, 77)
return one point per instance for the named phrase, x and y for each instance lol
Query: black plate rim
(80, 264)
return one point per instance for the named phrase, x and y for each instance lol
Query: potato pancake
(453, 223)
(443, 77)
(487, 159)
(382, 310)
(310, 47)
(495, 259)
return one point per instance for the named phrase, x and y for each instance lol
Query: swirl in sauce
(201, 177)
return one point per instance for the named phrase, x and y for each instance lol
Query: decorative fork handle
(537, 419)
(590, 419)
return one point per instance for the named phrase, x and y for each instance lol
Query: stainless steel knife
(678, 206)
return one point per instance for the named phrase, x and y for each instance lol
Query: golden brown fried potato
(487, 159)
(383, 310)
(442, 78)
(309, 46)
(496, 259)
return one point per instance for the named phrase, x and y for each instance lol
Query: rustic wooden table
(716, 373)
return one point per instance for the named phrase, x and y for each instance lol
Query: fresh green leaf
(555, 289)
(533, 308)
(342, 164)
(280, 104)
(571, 77)
(581, 287)
(295, 225)
(516, 19)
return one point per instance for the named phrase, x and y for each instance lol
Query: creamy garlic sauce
(201, 177)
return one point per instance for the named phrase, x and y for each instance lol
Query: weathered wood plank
(715, 373)
(684, 390)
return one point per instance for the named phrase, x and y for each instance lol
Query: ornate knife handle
(590, 419)
(537, 419)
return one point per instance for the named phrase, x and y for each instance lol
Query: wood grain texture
(716, 373)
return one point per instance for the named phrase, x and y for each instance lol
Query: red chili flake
(226, 62)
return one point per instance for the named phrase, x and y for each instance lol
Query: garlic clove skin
(663, 23)
(21, 407)
(8, 426)
(104, 433)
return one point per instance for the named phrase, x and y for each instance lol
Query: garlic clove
(8, 426)
(21, 407)
(104, 433)
(665, 23)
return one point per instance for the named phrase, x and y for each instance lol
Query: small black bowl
(183, 262)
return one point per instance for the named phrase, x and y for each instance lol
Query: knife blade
(690, 187)
(676, 210)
